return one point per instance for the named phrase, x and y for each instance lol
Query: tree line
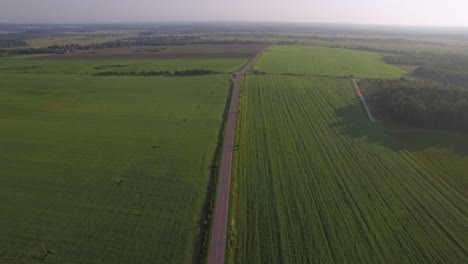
(56, 49)
(421, 103)
(157, 73)
(124, 43)
(455, 76)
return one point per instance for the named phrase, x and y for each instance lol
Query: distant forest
(422, 103)
(122, 43)
(442, 68)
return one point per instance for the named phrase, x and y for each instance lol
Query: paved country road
(217, 250)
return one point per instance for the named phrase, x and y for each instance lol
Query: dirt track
(363, 101)
(217, 250)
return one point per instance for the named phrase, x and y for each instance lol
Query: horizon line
(235, 22)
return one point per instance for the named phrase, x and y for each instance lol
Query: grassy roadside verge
(210, 201)
(206, 218)
(232, 241)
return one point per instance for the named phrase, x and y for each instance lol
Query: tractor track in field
(363, 101)
(217, 246)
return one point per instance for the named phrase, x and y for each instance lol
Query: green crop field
(105, 169)
(35, 65)
(316, 182)
(326, 61)
(445, 153)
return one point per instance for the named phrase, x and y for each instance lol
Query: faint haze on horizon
(378, 12)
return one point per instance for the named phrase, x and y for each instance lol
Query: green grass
(105, 170)
(15, 65)
(315, 182)
(326, 61)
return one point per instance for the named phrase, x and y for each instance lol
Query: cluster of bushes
(156, 73)
(103, 67)
(421, 103)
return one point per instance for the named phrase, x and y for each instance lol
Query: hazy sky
(389, 12)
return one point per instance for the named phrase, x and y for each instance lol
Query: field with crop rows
(105, 169)
(326, 61)
(316, 182)
(443, 152)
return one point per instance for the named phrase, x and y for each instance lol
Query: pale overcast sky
(387, 12)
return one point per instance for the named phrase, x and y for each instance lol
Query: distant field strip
(326, 61)
(105, 170)
(209, 51)
(316, 182)
(81, 40)
(16, 65)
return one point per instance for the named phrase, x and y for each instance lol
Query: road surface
(217, 250)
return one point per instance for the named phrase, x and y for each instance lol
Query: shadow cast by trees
(417, 140)
(353, 123)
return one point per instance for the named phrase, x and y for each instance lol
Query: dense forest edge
(442, 68)
(433, 96)
(418, 103)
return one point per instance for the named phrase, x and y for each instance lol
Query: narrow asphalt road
(217, 250)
